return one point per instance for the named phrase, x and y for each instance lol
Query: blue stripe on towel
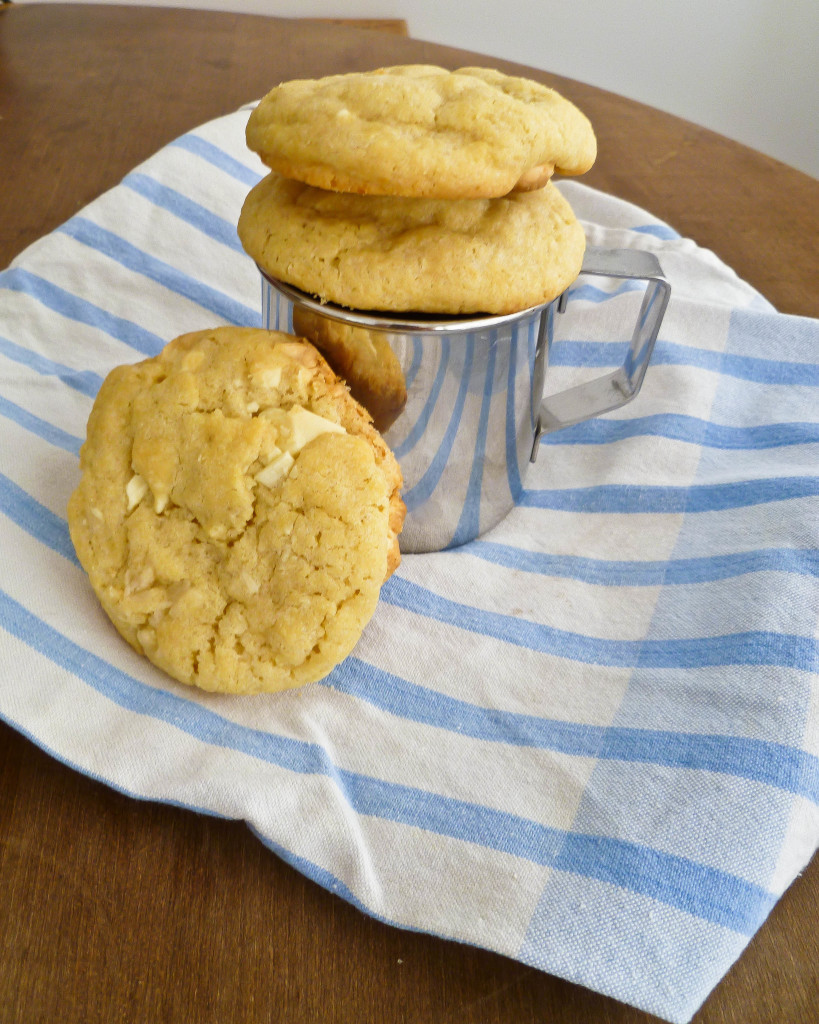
(193, 213)
(586, 292)
(703, 891)
(573, 352)
(38, 521)
(633, 498)
(634, 573)
(85, 381)
(774, 764)
(690, 429)
(662, 231)
(42, 428)
(81, 310)
(141, 262)
(749, 647)
(217, 158)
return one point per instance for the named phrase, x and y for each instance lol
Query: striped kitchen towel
(588, 740)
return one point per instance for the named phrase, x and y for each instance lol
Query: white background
(745, 68)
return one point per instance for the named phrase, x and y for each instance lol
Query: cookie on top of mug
(420, 130)
(402, 254)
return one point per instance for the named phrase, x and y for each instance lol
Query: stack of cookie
(416, 189)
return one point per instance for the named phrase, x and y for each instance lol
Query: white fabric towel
(588, 740)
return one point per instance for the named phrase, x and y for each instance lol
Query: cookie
(237, 512)
(365, 361)
(400, 254)
(419, 130)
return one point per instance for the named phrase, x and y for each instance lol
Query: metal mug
(473, 409)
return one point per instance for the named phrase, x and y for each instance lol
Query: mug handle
(603, 394)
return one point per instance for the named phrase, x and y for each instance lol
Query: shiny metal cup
(466, 414)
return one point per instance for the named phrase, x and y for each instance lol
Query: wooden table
(115, 910)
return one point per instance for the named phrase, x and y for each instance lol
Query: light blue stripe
(85, 381)
(420, 492)
(512, 471)
(703, 891)
(37, 521)
(469, 520)
(193, 213)
(415, 364)
(775, 764)
(569, 352)
(633, 499)
(74, 308)
(598, 935)
(752, 647)
(416, 433)
(140, 262)
(592, 293)
(217, 158)
(42, 428)
(674, 572)
(690, 429)
(662, 231)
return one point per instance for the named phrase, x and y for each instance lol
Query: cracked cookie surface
(420, 130)
(408, 254)
(237, 512)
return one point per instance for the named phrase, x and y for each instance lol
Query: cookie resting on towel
(237, 512)
(420, 130)
(407, 254)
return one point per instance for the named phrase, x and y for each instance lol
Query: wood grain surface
(112, 909)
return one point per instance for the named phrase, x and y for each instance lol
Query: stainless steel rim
(390, 321)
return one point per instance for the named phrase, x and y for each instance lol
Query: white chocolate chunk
(306, 425)
(269, 451)
(135, 490)
(270, 378)
(275, 470)
(299, 427)
(136, 581)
